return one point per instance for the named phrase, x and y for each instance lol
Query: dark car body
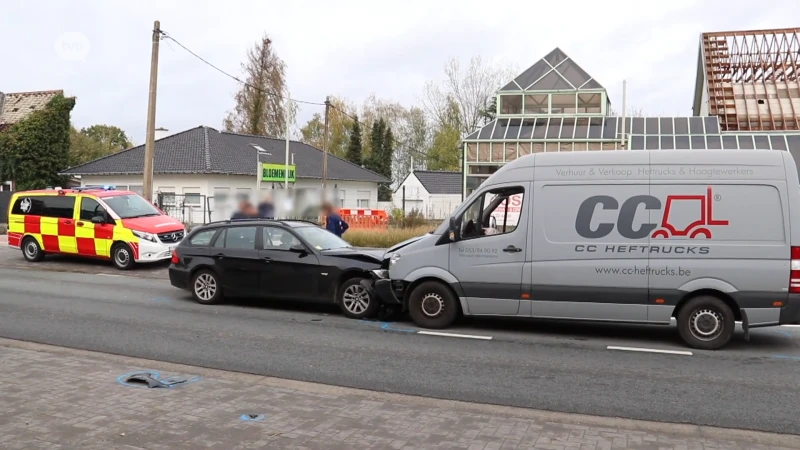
(295, 270)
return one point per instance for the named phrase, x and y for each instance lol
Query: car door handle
(512, 249)
(266, 259)
(80, 224)
(67, 222)
(219, 256)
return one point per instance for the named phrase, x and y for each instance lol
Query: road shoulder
(54, 395)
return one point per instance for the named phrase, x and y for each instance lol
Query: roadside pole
(286, 169)
(325, 149)
(149, 147)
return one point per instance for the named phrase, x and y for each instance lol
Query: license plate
(172, 247)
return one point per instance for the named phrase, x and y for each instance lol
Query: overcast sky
(99, 50)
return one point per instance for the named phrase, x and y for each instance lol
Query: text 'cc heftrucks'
(705, 237)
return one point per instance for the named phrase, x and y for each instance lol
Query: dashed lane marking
(650, 350)
(455, 335)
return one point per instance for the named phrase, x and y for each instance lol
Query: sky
(99, 50)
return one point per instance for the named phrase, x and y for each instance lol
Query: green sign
(276, 172)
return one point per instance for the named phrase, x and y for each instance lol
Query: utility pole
(325, 148)
(149, 147)
(286, 169)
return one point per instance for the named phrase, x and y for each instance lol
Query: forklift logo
(701, 225)
(696, 228)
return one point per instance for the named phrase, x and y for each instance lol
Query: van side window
(29, 206)
(494, 212)
(62, 207)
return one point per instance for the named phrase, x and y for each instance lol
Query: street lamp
(259, 151)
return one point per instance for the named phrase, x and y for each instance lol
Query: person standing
(333, 221)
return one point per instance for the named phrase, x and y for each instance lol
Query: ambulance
(92, 222)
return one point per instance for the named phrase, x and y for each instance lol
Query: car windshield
(130, 206)
(321, 239)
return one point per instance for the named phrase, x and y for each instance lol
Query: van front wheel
(433, 305)
(706, 323)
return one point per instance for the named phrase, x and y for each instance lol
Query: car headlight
(394, 259)
(145, 235)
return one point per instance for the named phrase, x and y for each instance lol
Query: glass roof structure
(556, 71)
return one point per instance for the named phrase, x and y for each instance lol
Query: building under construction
(749, 79)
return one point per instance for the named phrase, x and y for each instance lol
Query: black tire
(206, 287)
(433, 305)
(351, 296)
(31, 250)
(706, 323)
(122, 256)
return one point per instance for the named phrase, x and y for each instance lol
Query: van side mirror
(455, 229)
(99, 220)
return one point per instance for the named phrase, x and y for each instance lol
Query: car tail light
(176, 259)
(794, 273)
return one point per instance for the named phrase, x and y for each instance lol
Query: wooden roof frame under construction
(749, 79)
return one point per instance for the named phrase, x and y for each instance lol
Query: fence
(191, 209)
(5, 197)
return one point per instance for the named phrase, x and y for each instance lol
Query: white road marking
(650, 350)
(791, 326)
(466, 336)
(109, 275)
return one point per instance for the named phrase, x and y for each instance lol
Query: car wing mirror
(455, 229)
(298, 249)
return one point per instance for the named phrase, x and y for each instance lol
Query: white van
(705, 237)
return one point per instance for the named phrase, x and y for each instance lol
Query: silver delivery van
(705, 237)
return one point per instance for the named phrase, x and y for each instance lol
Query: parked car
(92, 222)
(707, 238)
(270, 259)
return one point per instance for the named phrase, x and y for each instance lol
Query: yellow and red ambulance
(95, 222)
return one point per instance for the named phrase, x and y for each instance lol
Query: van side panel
(585, 264)
(723, 224)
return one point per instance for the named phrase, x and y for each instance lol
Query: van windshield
(131, 206)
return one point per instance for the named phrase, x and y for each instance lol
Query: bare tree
(260, 103)
(471, 89)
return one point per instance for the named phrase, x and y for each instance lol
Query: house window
(191, 196)
(511, 104)
(536, 104)
(362, 198)
(221, 194)
(590, 103)
(562, 104)
(167, 195)
(341, 198)
(243, 194)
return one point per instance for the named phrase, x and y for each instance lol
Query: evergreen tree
(384, 190)
(373, 160)
(354, 149)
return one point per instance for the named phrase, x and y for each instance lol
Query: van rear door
(489, 258)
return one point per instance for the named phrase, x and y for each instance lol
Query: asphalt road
(545, 365)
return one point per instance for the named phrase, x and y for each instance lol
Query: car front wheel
(355, 301)
(206, 288)
(122, 256)
(433, 305)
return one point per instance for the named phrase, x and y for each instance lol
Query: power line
(167, 36)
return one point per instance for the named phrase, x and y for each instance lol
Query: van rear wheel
(706, 323)
(433, 305)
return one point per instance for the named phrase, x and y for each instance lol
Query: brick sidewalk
(57, 398)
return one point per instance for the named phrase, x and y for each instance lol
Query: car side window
(497, 211)
(202, 238)
(241, 238)
(91, 208)
(219, 241)
(276, 238)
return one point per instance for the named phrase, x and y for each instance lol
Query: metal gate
(5, 197)
(190, 209)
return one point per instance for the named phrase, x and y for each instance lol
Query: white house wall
(432, 206)
(356, 193)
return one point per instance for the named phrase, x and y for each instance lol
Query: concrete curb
(612, 423)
